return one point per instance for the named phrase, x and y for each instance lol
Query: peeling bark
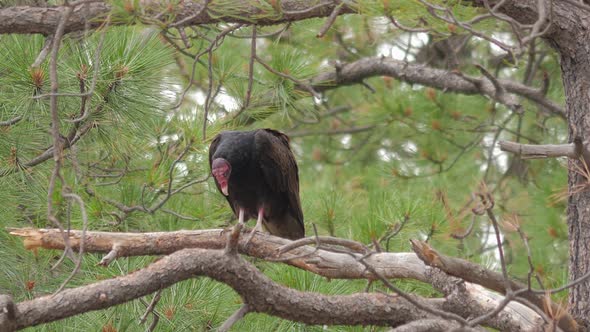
(261, 294)
(477, 274)
(265, 246)
(467, 298)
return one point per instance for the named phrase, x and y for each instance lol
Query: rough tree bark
(259, 291)
(355, 72)
(44, 20)
(569, 35)
(464, 299)
(575, 65)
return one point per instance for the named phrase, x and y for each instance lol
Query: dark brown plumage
(257, 173)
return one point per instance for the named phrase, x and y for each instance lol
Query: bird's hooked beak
(224, 189)
(221, 169)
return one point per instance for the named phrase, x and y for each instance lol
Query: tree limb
(534, 151)
(44, 20)
(322, 262)
(356, 72)
(7, 313)
(261, 294)
(432, 325)
(327, 264)
(489, 279)
(235, 317)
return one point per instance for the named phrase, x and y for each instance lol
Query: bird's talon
(250, 237)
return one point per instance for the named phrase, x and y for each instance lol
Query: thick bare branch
(356, 72)
(329, 264)
(44, 20)
(534, 151)
(489, 279)
(261, 294)
(7, 313)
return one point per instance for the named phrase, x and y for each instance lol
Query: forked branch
(261, 294)
(344, 265)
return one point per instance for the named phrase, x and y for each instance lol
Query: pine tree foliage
(409, 174)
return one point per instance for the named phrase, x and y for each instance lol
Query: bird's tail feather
(287, 227)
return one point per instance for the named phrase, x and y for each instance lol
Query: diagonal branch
(235, 317)
(260, 292)
(477, 274)
(49, 152)
(356, 72)
(332, 265)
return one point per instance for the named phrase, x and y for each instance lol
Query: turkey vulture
(257, 173)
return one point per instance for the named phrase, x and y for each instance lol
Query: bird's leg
(241, 216)
(258, 227)
(233, 237)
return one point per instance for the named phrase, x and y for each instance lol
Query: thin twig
(80, 202)
(235, 317)
(96, 63)
(57, 140)
(330, 20)
(352, 245)
(47, 45)
(216, 42)
(150, 308)
(209, 91)
(409, 298)
(10, 122)
(250, 75)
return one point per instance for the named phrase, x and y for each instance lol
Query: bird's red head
(221, 169)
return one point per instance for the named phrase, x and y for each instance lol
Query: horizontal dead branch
(44, 20)
(326, 263)
(578, 149)
(533, 151)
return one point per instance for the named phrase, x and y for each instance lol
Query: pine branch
(492, 280)
(31, 20)
(261, 294)
(331, 264)
(578, 149)
(264, 246)
(450, 81)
